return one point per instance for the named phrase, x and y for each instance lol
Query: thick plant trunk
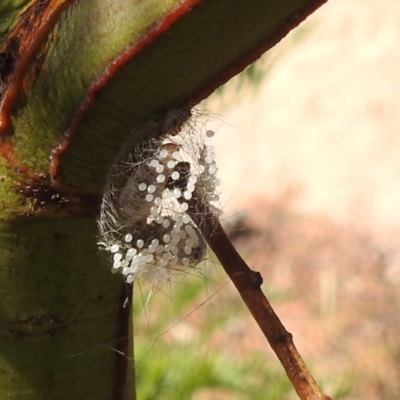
(78, 78)
(61, 312)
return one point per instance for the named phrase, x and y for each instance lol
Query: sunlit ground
(310, 165)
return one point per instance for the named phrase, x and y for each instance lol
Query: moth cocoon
(144, 222)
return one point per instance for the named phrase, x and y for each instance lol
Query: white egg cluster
(146, 224)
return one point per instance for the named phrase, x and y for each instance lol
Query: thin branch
(248, 283)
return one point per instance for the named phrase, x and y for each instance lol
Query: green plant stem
(64, 333)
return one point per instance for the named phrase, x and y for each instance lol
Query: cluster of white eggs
(151, 233)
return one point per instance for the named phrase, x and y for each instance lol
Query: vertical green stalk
(61, 312)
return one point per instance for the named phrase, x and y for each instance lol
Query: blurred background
(308, 148)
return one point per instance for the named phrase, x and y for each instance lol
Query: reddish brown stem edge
(248, 284)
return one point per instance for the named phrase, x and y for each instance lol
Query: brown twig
(248, 283)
